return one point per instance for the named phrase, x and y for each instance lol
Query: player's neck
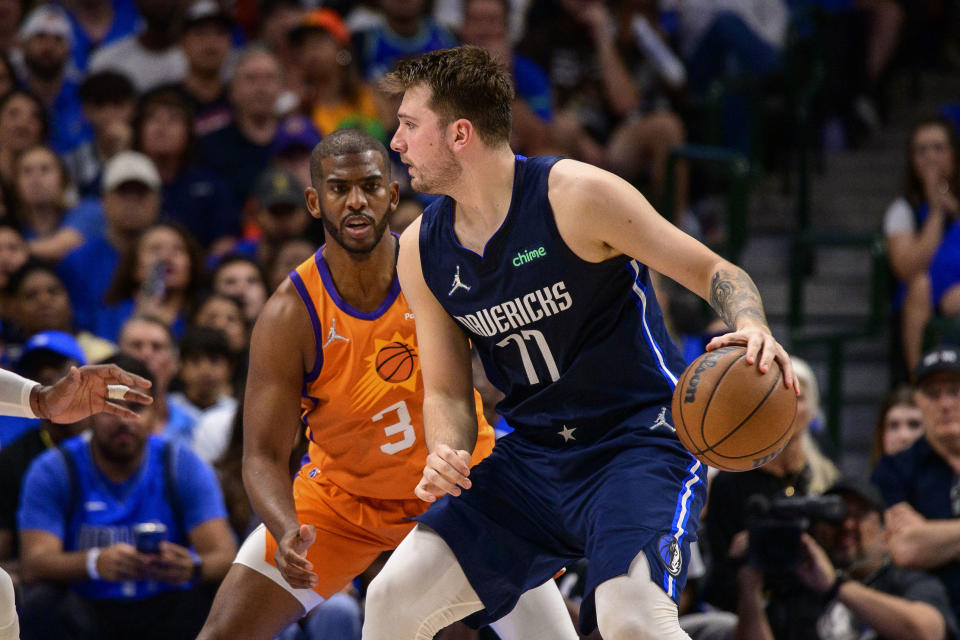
(483, 195)
(363, 282)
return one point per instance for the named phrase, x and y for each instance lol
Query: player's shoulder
(285, 310)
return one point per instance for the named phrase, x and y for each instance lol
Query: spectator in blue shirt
(96, 23)
(192, 194)
(46, 36)
(131, 203)
(78, 512)
(921, 486)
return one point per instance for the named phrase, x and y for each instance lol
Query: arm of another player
(601, 216)
(449, 411)
(281, 339)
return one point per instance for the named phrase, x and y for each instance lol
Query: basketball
(730, 415)
(395, 362)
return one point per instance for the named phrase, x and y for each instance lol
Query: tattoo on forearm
(734, 297)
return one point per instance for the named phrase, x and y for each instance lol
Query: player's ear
(463, 133)
(313, 201)
(394, 196)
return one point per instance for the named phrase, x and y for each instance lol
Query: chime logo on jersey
(392, 363)
(519, 312)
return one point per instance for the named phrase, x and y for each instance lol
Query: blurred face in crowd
(165, 131)
(160, 14)
(13, 253)
(132, 206)
(149, 342)
(317, 54)
(403, 9)
(11, 11)
(938, 397)
(289, 256)
(41, 304)
(121, 440)
(6, 74)
(279, 23)
(855, 539)
(166, 246)
(40, 181)
(205, 378)
(902, 426)
(931, 152)
(21, 123)
(256, 84)
(484, 23)
(282, 221)
(207, 45)
(104, 115)
(227, 316)
(242, 280)
(420, 142)
(355, 199)
(46, 55)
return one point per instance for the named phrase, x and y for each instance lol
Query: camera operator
(845, 586)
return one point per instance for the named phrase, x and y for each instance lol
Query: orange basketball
(729, 414)
(395, 361)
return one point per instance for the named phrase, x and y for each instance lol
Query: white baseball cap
(47, 19)
(130, 166)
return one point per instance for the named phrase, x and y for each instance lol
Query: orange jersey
(362, 403)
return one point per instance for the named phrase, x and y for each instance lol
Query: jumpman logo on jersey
(662, 421)
(333, 335)
(457, 284)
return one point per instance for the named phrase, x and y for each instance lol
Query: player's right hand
(446, 472)
(120, 562)
(291, 557)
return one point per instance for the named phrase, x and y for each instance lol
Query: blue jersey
(577, 347)
(89, 510)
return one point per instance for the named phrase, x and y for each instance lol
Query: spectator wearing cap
(240, 151)
(846, 587)
(97, 23)
(295, 140)
(32, 358)
(192, 194)
(921, 486)
(207, 43)
(37, 301)
(78, 516)
(330, 86)
(153, 56)
(46, 38)
(46, 358)
(407, 30)
(108, 100)
(131, 203)
(281, 214)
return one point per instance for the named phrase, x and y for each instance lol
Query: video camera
(776, 526)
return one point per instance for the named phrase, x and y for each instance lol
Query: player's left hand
(762, 350)
(173, 565)
(84, 391)
(446, 472)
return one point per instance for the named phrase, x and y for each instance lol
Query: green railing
(804, 245)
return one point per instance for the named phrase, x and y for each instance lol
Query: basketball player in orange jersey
(336, 347)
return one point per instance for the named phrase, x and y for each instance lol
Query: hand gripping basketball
(730, 414)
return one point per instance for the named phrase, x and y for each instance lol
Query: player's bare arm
(280, 347)
(449, 412)
(600, 216)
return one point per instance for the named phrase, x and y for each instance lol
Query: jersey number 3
(403, 425)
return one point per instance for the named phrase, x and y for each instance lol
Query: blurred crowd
(153, 161)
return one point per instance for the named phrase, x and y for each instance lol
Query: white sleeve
(15, 395)
(899, 218)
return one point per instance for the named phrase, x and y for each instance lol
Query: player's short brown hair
(465, 82)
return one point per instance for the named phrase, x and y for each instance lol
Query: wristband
(835, 587)
(15, 393)
(92, 556)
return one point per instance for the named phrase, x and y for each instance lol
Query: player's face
(421, 143)
(939, 401)
(354, 200)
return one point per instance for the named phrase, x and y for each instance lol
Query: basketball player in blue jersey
(543, 265)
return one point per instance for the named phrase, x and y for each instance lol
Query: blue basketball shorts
(535, 508)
